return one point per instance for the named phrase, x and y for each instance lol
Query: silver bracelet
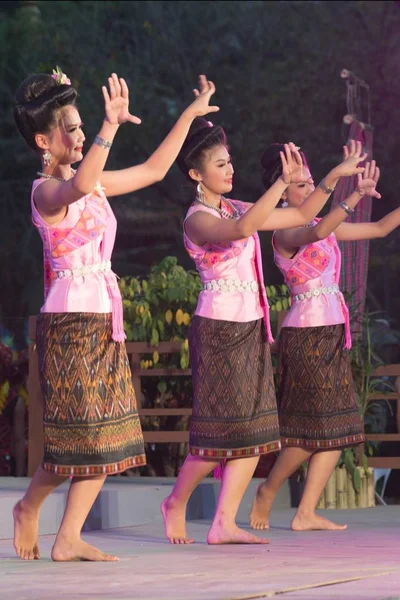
(102, 142)
(346, 208)
(325, 188)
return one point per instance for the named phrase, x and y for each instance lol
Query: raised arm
(291, 239)
(156, 167)
(298, 216)
(53, 196)
(348, 232)
(202, 226)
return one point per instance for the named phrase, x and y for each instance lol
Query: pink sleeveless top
(311, 276)
(77, 253)
(230, 264)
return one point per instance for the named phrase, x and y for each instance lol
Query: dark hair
(201, 138)
(272, 165)
(38, 99)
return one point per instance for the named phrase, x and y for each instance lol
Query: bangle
(325, 188)
(102, 142)
(346, 208)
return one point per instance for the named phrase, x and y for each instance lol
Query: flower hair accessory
(60, 77)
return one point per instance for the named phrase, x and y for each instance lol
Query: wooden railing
(386, 462)
(135, 350)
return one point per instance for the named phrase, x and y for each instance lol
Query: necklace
(46, 176)
(221, 211)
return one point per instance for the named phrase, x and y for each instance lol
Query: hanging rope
(355, 255)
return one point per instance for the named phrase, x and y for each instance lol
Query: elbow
(319, 234)
(381, 232)
(243, 230)
(81, 189)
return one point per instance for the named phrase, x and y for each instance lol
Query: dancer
(234, 415)
(318, 412)
(91, 424)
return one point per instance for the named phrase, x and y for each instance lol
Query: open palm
(367, 181)
(200, 106)
(353, 155)
(292, 165)
(117, 102)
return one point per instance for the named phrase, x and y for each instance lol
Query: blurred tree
(276, 66)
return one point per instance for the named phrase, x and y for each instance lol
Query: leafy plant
(160, 308)
(364, 362)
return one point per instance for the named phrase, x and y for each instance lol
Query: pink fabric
(315, 266)
(237, 260)
(84, 237)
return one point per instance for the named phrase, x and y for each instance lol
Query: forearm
(163, 158)
(93, 164)
(389, 222)
(318, 198)
(249, 223)
(333, 219)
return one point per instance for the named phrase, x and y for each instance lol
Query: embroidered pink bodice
(236, 261)
(85, 237)
(314, 266)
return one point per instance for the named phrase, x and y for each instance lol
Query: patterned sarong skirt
(316, 397)
(91, 423)
(234, 405)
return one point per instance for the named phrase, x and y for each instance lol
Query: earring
(284, 204)
(200, 193)
(47, 158)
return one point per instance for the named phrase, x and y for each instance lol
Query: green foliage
(273, 83)
(364, 361)
(160, 308)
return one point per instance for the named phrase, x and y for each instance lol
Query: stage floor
(362, 563)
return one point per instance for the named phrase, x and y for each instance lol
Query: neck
(57, 170)
(212, 198)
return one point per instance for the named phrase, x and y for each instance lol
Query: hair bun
(35, 87)
(271, 163)
(38, 99)
(272, 155)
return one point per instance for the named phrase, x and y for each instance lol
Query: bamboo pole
(341, 488)
(351, 493)
(330, 492)
(371, 488)
(363, 496)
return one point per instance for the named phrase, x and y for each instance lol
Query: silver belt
(103, 267)
(331, 289)
(231, 285)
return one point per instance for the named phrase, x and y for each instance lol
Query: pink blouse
(77, 252)
(312, 277)
(232, 275)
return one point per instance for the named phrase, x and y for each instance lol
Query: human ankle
(305, 512)
(175, 502)
(223, 520)
(26, 508)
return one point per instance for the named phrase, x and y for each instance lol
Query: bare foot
(261, 507)
(314, 522)
(174, 521)
(26, 532)
(220, 534)
(67, 550)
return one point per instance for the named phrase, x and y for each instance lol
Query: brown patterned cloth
(91, 424)
(234, 404)
(316, 398)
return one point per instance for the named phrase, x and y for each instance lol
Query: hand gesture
(200, 106)
(352, 156)
(367, 181)
(292, 165)
(117, 102)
